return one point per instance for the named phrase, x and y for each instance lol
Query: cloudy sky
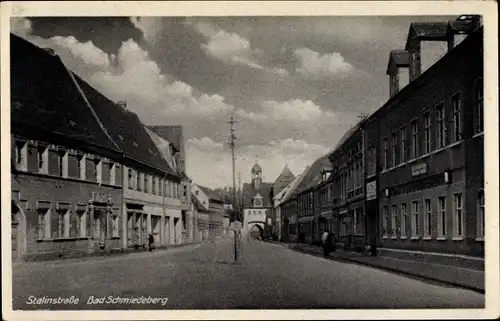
(295, 84)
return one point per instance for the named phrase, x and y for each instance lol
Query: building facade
(151, 197)
(426, 154)
(348, 188)
(66, 174)
(211, 212)
(257, 204)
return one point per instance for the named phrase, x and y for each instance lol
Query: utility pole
(232, 139)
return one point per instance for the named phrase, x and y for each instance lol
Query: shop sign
(419, 169)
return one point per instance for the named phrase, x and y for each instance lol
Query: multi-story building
(210, 203)
(426, 145)
(347, 178)
(283, 206)
(323, 204)
(304, 193)
(66, 171)
(170, 141)
(284, 179)
(151, 198)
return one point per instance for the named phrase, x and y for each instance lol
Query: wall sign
(371, 190)
(419, 169)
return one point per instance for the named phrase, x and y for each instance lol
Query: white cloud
(216, 168)
(232, 48)
(149, 26)
(314, 64)
(87, 51)
(294, 112)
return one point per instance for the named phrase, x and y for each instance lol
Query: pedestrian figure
(327, 242)
(151, 241)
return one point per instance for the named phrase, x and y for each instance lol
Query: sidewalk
(468, 278)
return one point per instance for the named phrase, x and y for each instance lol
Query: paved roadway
(204, 276)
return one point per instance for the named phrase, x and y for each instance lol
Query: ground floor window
(404, 219)
(415, 226)
(427, 218)
(44, 223)
(459, 215)
(63, 224)
(442, 216)
(394, 221)
(359, 226)
(115, 226)
(81, 223)
(385, 220)
(480, 214)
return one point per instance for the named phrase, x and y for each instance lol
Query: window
(107, 172)
(115, 226)
(478, 99)
(459, 215)
(60, 163)
(19, 154)
(385, 219)
(441, 128)
(73, 166)
(457, 123)
(43, 223)
(402, 155)
(63, 224)
(140, 181)
(404, 217)
(146, 183)
(480, 214)
(415, 219)
(91, 169)
(427, 218)
(414, 139)
(427, 133)
(82, 223)
(442, 216)
(130, 179)
(386, 156)
(153, 188)
(42, 166)
(394, 149)
(394, 221)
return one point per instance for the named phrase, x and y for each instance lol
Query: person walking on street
(151, 241)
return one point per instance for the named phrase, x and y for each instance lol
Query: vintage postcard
(250, 160)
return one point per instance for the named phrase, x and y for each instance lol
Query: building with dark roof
(424, 148)
(66, 171)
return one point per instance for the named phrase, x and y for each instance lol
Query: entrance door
(99, 226)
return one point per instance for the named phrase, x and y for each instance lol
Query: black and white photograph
(287, 161)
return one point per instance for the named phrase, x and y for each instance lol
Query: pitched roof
(172, 134)
(125, 129)
(212, 195)
(461, 26)
(249, 193)
(200, 207)
(290, 188)
(435, 30)
(45, 100)
(313, 176)
(283, 180)
(399, 57)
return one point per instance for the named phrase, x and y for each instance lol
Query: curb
(385, 268)
(56, 256)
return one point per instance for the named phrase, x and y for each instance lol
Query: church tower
(256, 176)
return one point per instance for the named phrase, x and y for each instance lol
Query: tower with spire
(256, 176)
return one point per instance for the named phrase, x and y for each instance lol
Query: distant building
(285, 178)
(257, 204)
(209, 202)
(170, 141)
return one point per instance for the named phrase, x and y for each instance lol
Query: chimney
(122, 104)
(397, 59)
